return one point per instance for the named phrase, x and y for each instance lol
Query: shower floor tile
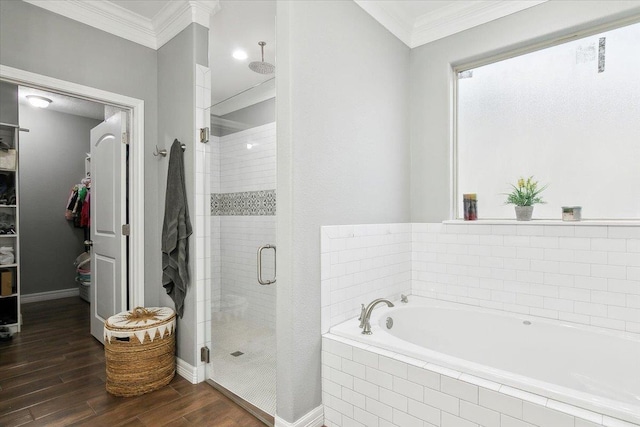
(251, 374)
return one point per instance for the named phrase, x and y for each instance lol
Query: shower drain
(237, 353)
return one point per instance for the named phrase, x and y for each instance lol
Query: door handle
(260, 279)
(88, 242)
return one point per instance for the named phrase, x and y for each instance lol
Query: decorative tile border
(256, 203)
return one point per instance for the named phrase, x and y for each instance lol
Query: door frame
(136, 161)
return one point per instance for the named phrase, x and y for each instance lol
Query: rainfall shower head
(262, 67)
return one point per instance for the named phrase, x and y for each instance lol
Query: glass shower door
(243, 209)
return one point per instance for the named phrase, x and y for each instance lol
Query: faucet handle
(363, 309)
(404, 298)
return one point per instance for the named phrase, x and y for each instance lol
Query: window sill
(586, 222)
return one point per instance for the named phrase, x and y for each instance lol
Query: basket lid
(140, 321)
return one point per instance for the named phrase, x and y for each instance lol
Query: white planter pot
(523, 213)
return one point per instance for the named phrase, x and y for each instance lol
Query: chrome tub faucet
(365, 314)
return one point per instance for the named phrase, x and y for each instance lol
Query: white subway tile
(393, 367)
(401, 418)
(530, 230)
(365, 417)
(599, 310)
(608, 298)
(379, 378)
(441, 401)
(507, 230)
(424, 412)
(633, 273)
(633, 245)
(591, 283)
(507, 421)
(575, 411)
(624, 286)
(483, 416)
(460, 389)
(577, 243)
(559, 279)
(543, 416)
(601, 322)
(544, 242)
(608, 271)
(341, 378)
(393, 399)
(480, 382)
(353, 397)
(614, 422)
(353, 368)
(449, 420)
(624, 258)
(500, 402)
(349, 422)
(608, 245)
(624, 313)
(423, 377)
(365, 357)
(366, 388)
(379, 409)
(624, 232)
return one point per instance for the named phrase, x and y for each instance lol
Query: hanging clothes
(76, 204)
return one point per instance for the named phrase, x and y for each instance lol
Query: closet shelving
(9, 214)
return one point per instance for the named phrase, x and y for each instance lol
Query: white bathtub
(590, 368)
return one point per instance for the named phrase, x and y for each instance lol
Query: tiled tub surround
(576, 273)
(360, 263)
(540, 356)
(368, 386)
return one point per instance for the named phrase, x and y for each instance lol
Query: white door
(108, 214)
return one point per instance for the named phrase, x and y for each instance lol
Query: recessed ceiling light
(39, 101)
(240, 54)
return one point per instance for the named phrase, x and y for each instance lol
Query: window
(569, 115)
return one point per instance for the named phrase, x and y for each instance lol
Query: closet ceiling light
(39, 101)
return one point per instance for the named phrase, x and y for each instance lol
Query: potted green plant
(524, 196)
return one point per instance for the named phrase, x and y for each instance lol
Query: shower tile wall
(243, 162)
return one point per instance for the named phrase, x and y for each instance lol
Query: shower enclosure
(243, 205)
(243, 229)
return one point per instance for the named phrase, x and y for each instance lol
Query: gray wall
(176, 114)
(431, 85)
(343, 158)
(42, 42)
(52, 157)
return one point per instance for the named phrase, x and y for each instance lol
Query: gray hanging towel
(175, 231)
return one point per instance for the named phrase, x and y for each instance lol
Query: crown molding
(116, 20)
(461, 16)
(390, 20)
(456, 17)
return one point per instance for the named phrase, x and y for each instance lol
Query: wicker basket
(140, 350)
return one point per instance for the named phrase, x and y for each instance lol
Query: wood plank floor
(53, 374)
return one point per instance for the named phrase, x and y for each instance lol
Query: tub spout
(367, 314)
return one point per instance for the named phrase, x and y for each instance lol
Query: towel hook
(162, 153)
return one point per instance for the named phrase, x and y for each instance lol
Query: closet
(9, 246)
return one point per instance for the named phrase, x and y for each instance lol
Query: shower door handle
(260, 279)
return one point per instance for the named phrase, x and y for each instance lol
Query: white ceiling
(64, 104)
(243, 23)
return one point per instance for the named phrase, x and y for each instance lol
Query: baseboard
(44, 296)
(314, 418)
(186, 371)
